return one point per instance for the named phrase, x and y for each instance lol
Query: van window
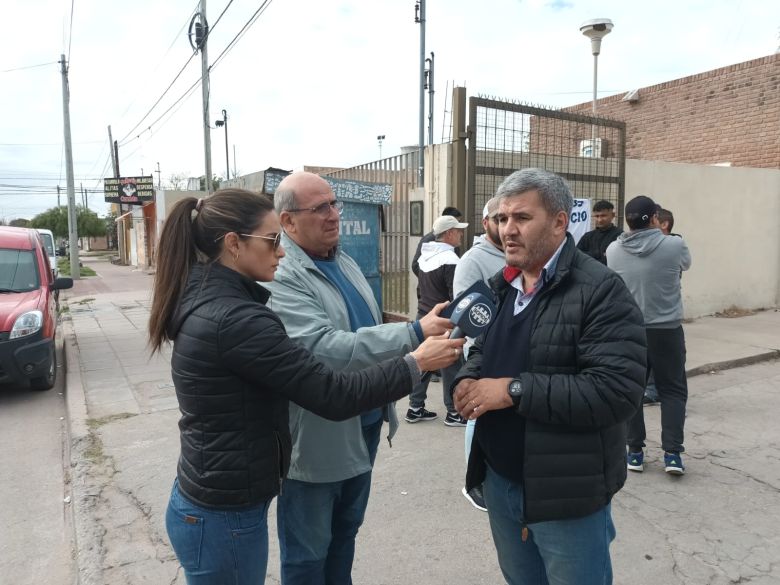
(48, 243)
(18, 271)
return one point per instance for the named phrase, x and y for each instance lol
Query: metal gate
(590, 153)
(401, 173)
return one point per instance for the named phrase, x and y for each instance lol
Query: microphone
(471, 316)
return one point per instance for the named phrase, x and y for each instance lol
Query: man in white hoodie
(437, 271)
(650, 263)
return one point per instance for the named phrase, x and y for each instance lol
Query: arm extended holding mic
(471, 315)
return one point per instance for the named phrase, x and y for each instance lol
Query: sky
(314, 82)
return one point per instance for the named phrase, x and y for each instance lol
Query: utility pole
(235, 169)
(159, 182)
(83, 196)
(429, 87)
(419, 9)
(58, 195)
(201, 44)
(219, 124)
(72, 225)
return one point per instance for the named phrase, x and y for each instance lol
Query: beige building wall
(730, 219)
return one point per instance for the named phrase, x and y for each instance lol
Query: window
(18, 271)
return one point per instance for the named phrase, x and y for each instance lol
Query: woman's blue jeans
(557, 552)
(218, 547)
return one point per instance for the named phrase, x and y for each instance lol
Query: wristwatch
(515, 390)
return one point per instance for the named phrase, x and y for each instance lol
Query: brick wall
(728, 115)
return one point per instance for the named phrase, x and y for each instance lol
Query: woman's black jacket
(585, 379)
(234, 369)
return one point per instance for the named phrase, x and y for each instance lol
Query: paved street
(716, 525)
(36, 541)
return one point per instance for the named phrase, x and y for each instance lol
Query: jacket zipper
(280, 456)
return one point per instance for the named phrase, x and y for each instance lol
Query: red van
(28, 313)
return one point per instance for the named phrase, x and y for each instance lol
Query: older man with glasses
(327, 305)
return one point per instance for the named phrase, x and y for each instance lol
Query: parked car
(48, 245)
(28, 314)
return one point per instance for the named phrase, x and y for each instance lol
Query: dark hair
(194, 232)
(603, 205)
(664, 215)
(453, 211)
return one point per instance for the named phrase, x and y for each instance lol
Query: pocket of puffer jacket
(185, 532)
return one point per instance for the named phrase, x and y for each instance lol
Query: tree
(215, 181)
(178, 181)
(56, 220)
(19, 222)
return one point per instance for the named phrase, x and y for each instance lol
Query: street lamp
(596, 30)
(379, 139)
(220, 123)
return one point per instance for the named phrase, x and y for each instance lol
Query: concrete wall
(730, 218)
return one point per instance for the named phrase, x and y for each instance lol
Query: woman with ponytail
(235, 369)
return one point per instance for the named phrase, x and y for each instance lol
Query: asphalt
(715, 525)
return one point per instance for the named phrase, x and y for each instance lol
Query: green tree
(54, 219)
(215, 181)
(19, 222)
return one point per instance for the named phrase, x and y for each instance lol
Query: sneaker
(475, 497)
(453, 419)
(673, 464)
(636, 461)
(647, 401)
(413, 416)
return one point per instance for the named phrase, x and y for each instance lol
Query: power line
(70, 33)
(123, 142)
(29, 67)
(160, 62)
(238, 36)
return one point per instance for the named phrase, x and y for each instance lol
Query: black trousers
(666, 358)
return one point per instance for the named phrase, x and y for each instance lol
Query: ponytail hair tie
(199, 204)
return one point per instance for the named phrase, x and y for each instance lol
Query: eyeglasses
(323, 209)
(277, 239)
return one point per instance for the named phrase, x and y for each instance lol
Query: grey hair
(284, 200)
(553, 191)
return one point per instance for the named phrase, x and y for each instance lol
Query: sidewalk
(124, 439)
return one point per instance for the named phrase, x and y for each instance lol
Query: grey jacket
(315, 315)
(650, 264)
(481, 262)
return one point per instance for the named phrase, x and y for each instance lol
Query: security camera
(596, 30)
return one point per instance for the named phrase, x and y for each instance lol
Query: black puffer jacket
(586, 378)
(234, 369)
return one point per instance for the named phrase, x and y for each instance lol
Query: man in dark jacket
(551, 385)
(595, 242)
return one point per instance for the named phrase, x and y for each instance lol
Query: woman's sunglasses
(277, 238)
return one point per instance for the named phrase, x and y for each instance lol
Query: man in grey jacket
(650, 264)
(327, 305)
(483, 260)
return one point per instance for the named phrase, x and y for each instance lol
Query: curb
(735, 363)
(86, 560)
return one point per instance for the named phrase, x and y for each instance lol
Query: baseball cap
(490, 209)
(447, 222)
(639, 211)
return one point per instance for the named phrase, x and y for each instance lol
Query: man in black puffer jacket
(551, 384)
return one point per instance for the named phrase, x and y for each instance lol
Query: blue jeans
(557, 552)
(218, 547)
(318, 523)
